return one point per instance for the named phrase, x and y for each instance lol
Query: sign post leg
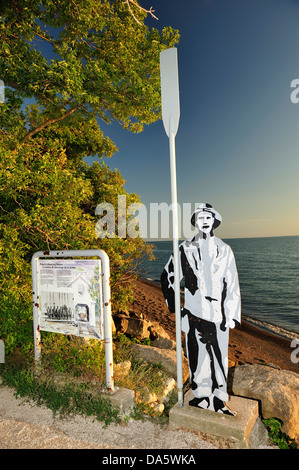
(35, 300)
(107, 322)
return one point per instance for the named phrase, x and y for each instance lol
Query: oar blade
(170, 90)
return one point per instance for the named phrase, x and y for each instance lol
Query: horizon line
(223, 238)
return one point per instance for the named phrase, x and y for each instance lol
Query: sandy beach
(248, 344)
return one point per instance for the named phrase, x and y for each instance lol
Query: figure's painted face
(204, 222)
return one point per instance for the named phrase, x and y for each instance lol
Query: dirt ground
(27, 426)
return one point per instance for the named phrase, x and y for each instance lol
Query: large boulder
(135, 326)
(276, 389)
(167, 358)
(131, 325)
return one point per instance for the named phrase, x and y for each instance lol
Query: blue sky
(237, 144)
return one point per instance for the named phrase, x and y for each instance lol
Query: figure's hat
(204, 206)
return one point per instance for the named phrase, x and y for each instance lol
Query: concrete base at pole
(243, 431)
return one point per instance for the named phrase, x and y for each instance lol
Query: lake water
(268, 271)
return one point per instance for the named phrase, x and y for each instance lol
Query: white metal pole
(175, 236)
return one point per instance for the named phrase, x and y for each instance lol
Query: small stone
(159, 408)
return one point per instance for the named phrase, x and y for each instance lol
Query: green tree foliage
(77, 62)
(103, 63)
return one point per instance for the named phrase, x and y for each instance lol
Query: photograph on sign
(70, 297)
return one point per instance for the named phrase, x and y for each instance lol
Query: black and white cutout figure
(211, 307)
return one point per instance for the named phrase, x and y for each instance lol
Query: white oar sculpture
(171, 116)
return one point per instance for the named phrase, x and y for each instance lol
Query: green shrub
(282, 440)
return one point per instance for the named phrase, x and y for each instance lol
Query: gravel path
(24, 425)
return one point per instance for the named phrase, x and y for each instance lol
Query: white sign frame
(104, 292)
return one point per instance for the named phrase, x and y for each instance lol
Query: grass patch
(82, 365)
(67, 400)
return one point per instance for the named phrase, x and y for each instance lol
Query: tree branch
(20, 88)
(47, 123)
(150, 11)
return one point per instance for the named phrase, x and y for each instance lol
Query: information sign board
(70, 300)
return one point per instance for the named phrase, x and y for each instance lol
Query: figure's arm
(232, 303)
(167, 282)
